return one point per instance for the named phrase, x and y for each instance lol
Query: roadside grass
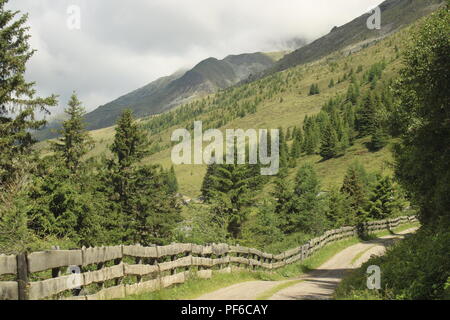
(195, 287)
(360, 254)
(269, 293)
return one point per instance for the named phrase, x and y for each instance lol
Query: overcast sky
(123, 45)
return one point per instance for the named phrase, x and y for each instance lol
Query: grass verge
(269, 293)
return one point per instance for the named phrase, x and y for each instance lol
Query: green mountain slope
(168, 92)
(278, 100)
(206, 77)
(282, 101)
(354, 35)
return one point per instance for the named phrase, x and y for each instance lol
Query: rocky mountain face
(166, 93)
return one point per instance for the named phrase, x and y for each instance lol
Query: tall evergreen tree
(366, 115)
(230, 188)
(329, 147)
(18, 104)
(172, 180)
(155, 211)
(355, 188)
(149, 210)
(297, 206)
(75, 141)
(18, 101)
(130, 142)
(337, 210)
(385, 200)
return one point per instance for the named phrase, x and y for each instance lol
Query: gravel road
(316, 285)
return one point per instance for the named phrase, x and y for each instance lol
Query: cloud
(123, 45)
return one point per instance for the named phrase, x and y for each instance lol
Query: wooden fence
(115, 272)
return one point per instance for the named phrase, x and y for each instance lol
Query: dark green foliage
(66, 205)
(264, 230)
(148, 209)
(355, 188)
(18, 101)
(209, 183)
(130, 142)
(18, 104)
(338, 210)
(284, 151)
(298, 206)
(379, 139)
(386, 200)
(312, 135)
(353, 93)
(230, 188)
(366, 115)
(331, 84)
(171, 180)
(153, 210)
(329, 147)
(75, 142)
(314, 89)
(423, 116)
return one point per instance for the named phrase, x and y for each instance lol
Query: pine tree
(338, 210)
(331, 84)
(230, 188)
(265, 229)
(149, 210)
(208, 185)
(18, 101)
(355, 188)
(385, 200)
(314, 89)
(329, 147)
(75, 141)
(366, 115)
(18, 104)
(172, 181)
(155, 212)
(296, 149)
(379, 139)
(303, 212)
(130, 142)
(283, 196)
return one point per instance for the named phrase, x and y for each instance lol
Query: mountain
(163, 94)
(166, 93)
(355, 35)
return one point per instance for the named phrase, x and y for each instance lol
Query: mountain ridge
(165, 93)
(395, 14)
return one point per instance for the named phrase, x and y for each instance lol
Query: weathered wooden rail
(114, 272)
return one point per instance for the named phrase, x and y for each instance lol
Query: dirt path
(318, 284)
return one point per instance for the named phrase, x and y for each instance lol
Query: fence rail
(114, 272)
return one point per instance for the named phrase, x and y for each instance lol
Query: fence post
(56, 272)
(22, 276)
